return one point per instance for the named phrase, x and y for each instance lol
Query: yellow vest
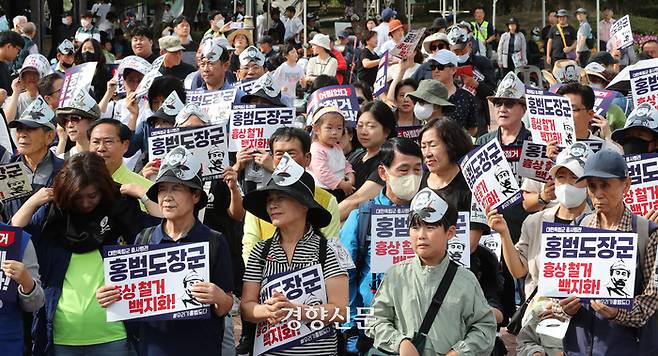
(480, 35)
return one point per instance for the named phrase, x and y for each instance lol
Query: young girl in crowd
(328, 162)
(289, 74)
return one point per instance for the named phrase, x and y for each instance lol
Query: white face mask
(66, 21)
(219, 24)
(85, 22)
(404, 187)
(463, 58)
(423, 111)
(570, 196)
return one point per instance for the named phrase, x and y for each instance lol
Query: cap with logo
(66, 48)
(213, 50)
(36, 63)
(37, 114)
(136, 63)
(644, 117)
(289, 178)
(511, 87)
(250, 54)
(427, 206)
(457, 37)
(180, 166)
(572, 158)
(81, 104)
(168, 110)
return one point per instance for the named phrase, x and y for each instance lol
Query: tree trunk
(56, 9)
(190, 8)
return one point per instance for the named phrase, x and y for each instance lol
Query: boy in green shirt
(464, 324)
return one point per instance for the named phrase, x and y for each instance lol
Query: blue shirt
(190, 337)
(360, 278)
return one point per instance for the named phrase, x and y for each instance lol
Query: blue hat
(605, 164)
(388, 13)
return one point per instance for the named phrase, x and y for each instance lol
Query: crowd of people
(307, 198)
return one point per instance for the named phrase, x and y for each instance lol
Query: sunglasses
(437, 47)
(73, 118)
(507, 103)
(437, 66)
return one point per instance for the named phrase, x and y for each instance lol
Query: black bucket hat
(180, 166)
(290, 178)
(265, 88)
(168, 110)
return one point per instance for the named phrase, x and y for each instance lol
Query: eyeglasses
(507, 103)
(437, 66)
(107, 142)
(434, 47)
(73, 118)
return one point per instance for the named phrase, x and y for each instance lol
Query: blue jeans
(113, 348)
(228, 344)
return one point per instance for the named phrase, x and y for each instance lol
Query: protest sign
(513, 157)
(118, 75)
(135, 63)
(412, 132)
(493, 243)
(551, 117)
(10, 249)
(602, 101)
(14, 183)
(144, 86)
(245, 85)
(389, 234)
(534, 162)
(405, 48)
(252, 125)
(341, 96)
(459, 247)
(77, 77)
(207, 143)
(217, 104)
(587, 263)
(644, 86)
(621, 34)
(642, 197)
(155, 280)
(490, 177)
(381, 84)
(302, 286)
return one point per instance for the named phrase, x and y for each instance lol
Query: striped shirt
(305, 255)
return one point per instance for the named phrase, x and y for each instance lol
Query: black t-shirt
(557, 50)
(277, 32)
(562, 221)
(152, 57)
(363, 170)
(5, 80)
(464, 108)
(367, 75)
(180, 71)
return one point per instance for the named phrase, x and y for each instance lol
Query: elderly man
(596, 328)
(252, 64)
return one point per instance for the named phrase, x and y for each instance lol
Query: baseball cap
(562, 13)
(605, 164)
(170, 44)
(252, 54)
(572, 158)
(37, 114)
(342, 34)
(66, 47)
(428, 206)
(445, 57)
(388, 13)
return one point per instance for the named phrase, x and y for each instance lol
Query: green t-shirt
(79, 319)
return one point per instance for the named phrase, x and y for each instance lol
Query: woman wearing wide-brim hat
(240, 39)
(287, 202)
(322, 62)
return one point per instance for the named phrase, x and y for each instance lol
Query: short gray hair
(29, 28)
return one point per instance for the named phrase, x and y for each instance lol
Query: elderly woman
(287, 202)
(179, 193)
(322, 62)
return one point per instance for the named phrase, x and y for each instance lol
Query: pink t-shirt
(328, 165)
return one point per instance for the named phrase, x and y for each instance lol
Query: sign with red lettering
(642, 197)
(551, 117)
(534, 162)
(10, 249)
(587, 263)
(155, 280)
(303, 286)
(252, 125)
(342, 97)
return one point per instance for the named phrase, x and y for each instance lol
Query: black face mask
(66, 65)
(634, 145)
(89, 57)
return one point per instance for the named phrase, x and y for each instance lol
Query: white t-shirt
(101, 10)
(293, 26)
(288, 76)
(382, 36)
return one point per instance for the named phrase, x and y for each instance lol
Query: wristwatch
(144, 198)
(541, 200)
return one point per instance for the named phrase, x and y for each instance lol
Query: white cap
(445, 57)
(573, 158)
